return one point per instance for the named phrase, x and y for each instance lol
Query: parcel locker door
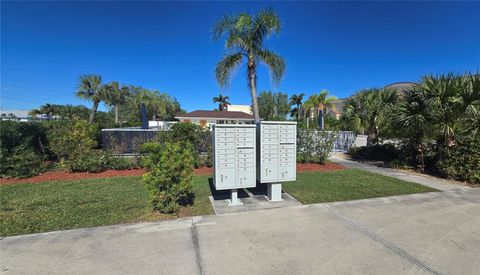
(225, 178)
(245, 177)
(269, 169)
(287, 172)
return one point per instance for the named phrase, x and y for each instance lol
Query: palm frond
(274, 62)
(225, 67)
(224, 25)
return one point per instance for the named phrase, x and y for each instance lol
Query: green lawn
(348, 184)
(40, 207)
(30, 208)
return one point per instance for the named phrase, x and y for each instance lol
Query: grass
(41, 207)
(348, 184)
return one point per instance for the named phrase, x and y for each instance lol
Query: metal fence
(128, 140)
(344, 140)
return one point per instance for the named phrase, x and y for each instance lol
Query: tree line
(122, 100)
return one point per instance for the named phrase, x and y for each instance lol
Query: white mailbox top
(279, 122)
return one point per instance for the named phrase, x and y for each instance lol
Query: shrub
(75, 140)
(385, 152)
(461, 161)
(21, 164)
(193, 134)
(314, 145)
(23, 149)
(98, 161)
(169, 175)
(93, 162)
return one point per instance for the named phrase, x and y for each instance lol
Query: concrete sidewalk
(423, 233)
(437, 183)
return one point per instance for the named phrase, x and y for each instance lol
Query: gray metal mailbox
(277, 155)
(234, 158)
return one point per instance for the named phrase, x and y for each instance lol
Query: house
(207, 118)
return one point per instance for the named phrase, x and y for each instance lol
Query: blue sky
(338, 46)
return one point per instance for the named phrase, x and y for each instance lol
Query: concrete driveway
(414, 234)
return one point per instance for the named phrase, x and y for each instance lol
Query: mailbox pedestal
(276, 155)
(234, 200)
(274, 191)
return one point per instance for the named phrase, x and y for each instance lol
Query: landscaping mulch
(315, 167)
(61, 175)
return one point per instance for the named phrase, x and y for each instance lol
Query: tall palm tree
(245, 35)
(296, 100)
(116, 96)
(223, 102)
(320, 103)
(92, 89)
(369, 106)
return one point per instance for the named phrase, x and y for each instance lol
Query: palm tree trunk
(92, 113)
(252, 74)
(116, 113)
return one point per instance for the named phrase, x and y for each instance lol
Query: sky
(338, 46)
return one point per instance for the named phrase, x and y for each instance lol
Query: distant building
(240, 108)
(207, 118)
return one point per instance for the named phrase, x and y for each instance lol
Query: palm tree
(453, 99)
(92, 89)
(296, 100)
(222, 102)
(320, 103)
(34, 113)
(116, 96)
(414, 116)
(49, 110)
(245, 35)
(369, 106)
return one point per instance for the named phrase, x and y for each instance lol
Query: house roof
(400, 85)
(219, 115)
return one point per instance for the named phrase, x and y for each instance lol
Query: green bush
(98, 161)
(93, 162)
(75, 140)
(169, 175)
(21, 164)
(314, 145)
(23, 149)
(385, 152)
(193, 134)
(461, 161)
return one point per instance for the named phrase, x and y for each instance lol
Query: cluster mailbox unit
(246, 153)
(277, 158)
(234, 158)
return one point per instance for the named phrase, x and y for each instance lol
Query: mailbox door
(245, 178)
(287, 172)
(269, 169)
(225, 178)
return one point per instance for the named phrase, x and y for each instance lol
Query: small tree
(169, 175)
(73, 140)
